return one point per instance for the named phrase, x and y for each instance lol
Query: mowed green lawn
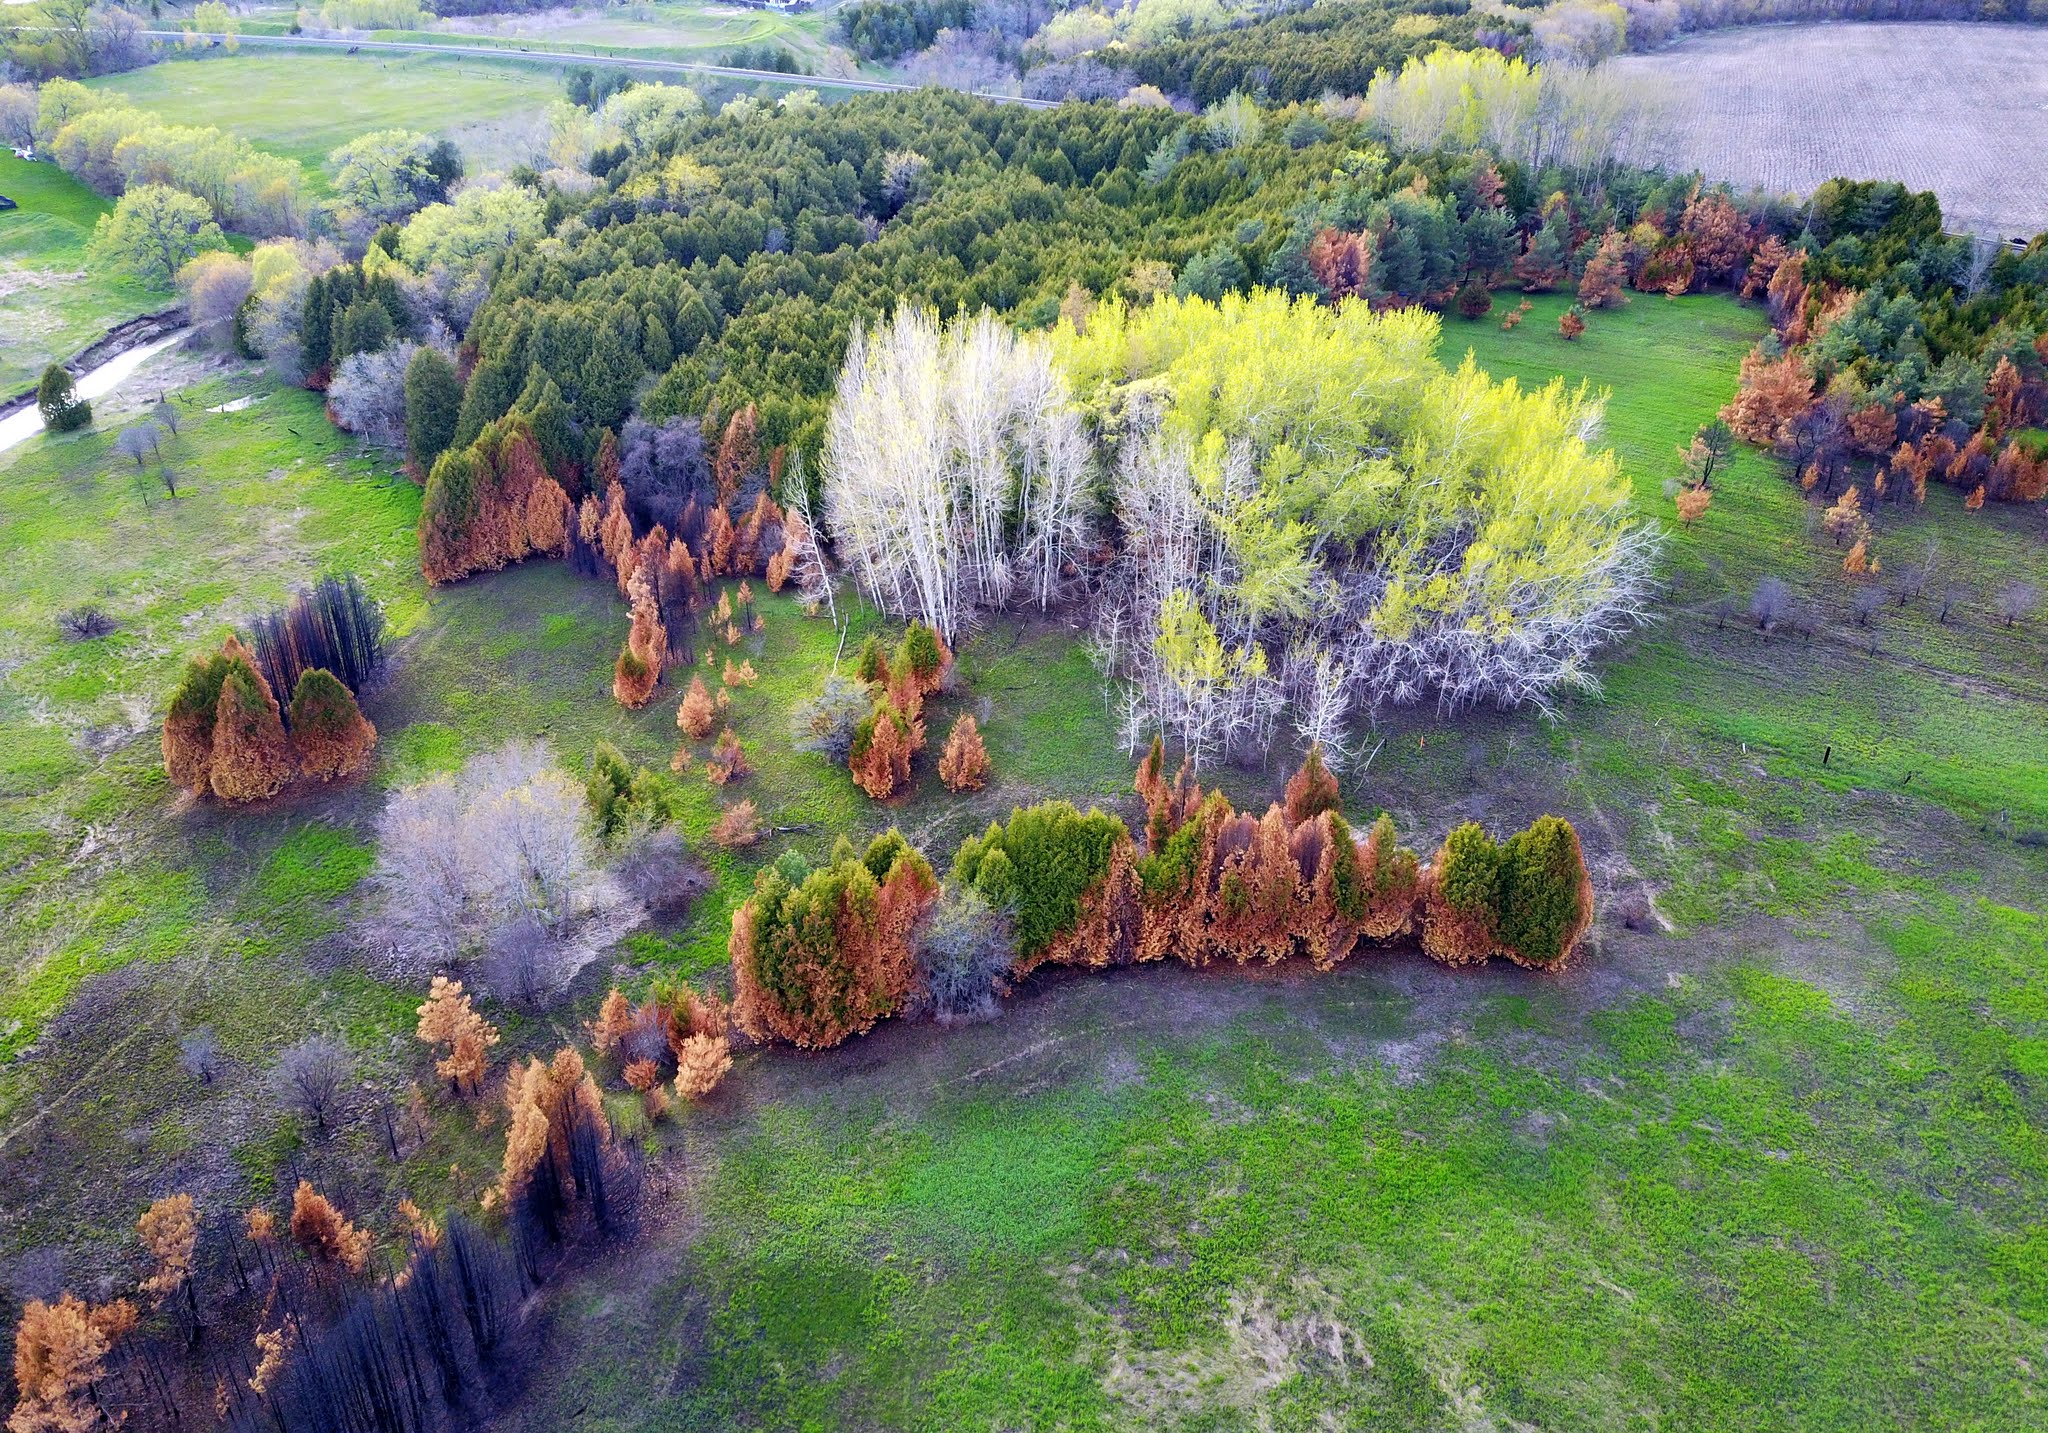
(306, 105)
(667, 31)
(51, 303)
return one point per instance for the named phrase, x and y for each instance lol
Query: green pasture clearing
(1952, 712)
(51, 304)
(305, 105)
(660, 31)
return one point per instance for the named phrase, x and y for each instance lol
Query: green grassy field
(1769, 1157)
(665, 31)
(661, 29)
(51, 304)
(304, 106)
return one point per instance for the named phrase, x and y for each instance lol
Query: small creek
(18, 427)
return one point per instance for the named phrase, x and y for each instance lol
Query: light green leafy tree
(153, 232)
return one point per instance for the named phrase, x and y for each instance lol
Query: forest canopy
(1301, 483)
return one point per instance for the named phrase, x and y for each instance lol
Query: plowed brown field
(1961, 109)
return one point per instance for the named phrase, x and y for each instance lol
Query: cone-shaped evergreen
(329, 733)
(251, 759)
(188, 725)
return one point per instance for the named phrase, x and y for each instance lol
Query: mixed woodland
(1168, 369)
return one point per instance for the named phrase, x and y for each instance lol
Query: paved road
(572, 57)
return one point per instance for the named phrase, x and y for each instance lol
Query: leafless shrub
(82, 624)
(1866, 603)
(964, 950)
(199, 1053)
(367, 395)
(141, 442)
(656, 870)
(460, 857)
(312, 1076)
(2016, 602)
(1770, 603)
(526, 962)
(826, 722)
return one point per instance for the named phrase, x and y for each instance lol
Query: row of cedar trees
(226, 734)
(1704, 242)
(822, 957)
(1825, 432)
(498, 501)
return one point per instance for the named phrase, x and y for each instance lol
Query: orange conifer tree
(251, 758)
(694, 716)
(325, 1234)
(60, 1353)
(963, 765)
(728, 760)
(1312, 790)
(330, 736)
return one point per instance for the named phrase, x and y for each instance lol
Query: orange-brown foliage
(325, 1234)
(693, 717)
(614, 1020)
(1873, 429)
(2017, 476)
(1773, 393)
(251, 758)
(1312, 790)
(701, 1062)
(1341, 263)
(170, 1233)
(1692, 504)
(447, 1021)
(881, 765)
(330, 736)
(545, 1103)
(728, 760)
(60, 1354)
(963, 765)
(721, 544)
(1600, 285)
(737, 826)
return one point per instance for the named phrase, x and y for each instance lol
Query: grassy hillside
(51, 305)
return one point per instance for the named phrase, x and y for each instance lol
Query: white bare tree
(955, 467)
(508, 840)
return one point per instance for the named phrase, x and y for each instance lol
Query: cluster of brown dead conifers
(1217, 883)
(820, 954)
(226, 735)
